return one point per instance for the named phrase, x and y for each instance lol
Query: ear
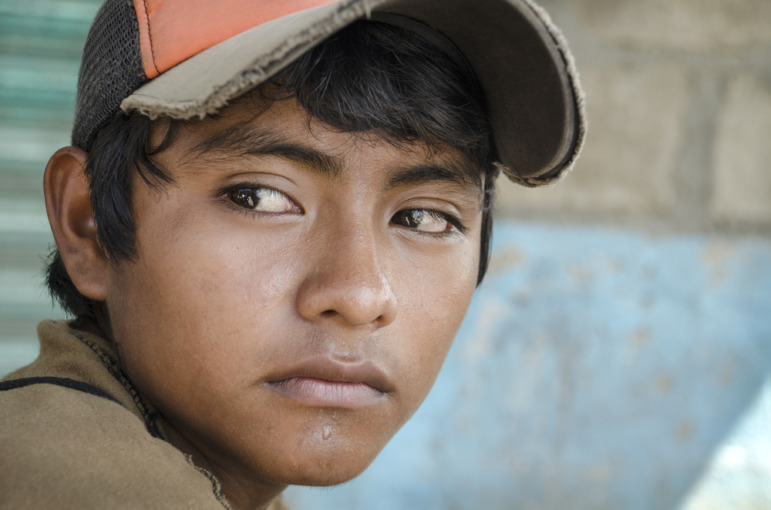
(68, 204)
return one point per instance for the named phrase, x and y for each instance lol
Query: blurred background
(618, 355)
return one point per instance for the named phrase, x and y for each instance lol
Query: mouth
(326, 383)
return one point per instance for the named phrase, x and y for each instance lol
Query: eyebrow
(241, 140)
(451, 172)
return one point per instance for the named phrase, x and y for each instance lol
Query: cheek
(185, 306)
(434, 301)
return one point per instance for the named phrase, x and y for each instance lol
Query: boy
(269, 227)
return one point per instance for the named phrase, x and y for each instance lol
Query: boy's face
(295, 292)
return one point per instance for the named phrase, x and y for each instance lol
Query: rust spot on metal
(664, 382)
(640, 338)
(506, 259)
(684, 431)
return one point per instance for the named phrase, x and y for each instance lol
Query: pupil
(246, 197)
(413, 218)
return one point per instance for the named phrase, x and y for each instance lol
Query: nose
(348, 284)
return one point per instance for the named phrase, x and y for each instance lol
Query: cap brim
(521, 60)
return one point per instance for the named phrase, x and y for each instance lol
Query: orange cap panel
(171, 31)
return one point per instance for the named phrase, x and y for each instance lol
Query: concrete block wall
(679, 103)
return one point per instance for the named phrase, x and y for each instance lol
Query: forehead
(253, 127)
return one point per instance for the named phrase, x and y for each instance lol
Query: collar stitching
(109, 363)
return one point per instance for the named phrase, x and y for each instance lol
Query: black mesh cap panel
(111, 69)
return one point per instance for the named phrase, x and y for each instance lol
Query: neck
(243, 489)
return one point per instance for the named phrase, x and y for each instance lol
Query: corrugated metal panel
(40, 46)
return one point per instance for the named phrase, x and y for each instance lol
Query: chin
(329, 475)
(333, 463)
(327, 479)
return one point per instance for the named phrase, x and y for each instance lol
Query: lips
(321, 381)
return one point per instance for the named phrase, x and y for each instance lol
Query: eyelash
(456, 227)
(226, 194)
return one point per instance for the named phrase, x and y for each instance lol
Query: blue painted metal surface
(597, 369)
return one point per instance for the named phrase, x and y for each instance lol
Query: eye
(426, 221)
(263, 200)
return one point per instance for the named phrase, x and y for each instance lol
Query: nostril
(331, 314)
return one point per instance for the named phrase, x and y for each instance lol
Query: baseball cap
(189, 58)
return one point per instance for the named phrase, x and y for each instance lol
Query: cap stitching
(150, 36)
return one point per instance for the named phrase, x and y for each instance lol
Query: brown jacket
(75, 434)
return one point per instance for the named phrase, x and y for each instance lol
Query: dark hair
(370, 77)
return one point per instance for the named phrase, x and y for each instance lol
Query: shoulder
(67, 448)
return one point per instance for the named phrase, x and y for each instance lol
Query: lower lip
(321, 393)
